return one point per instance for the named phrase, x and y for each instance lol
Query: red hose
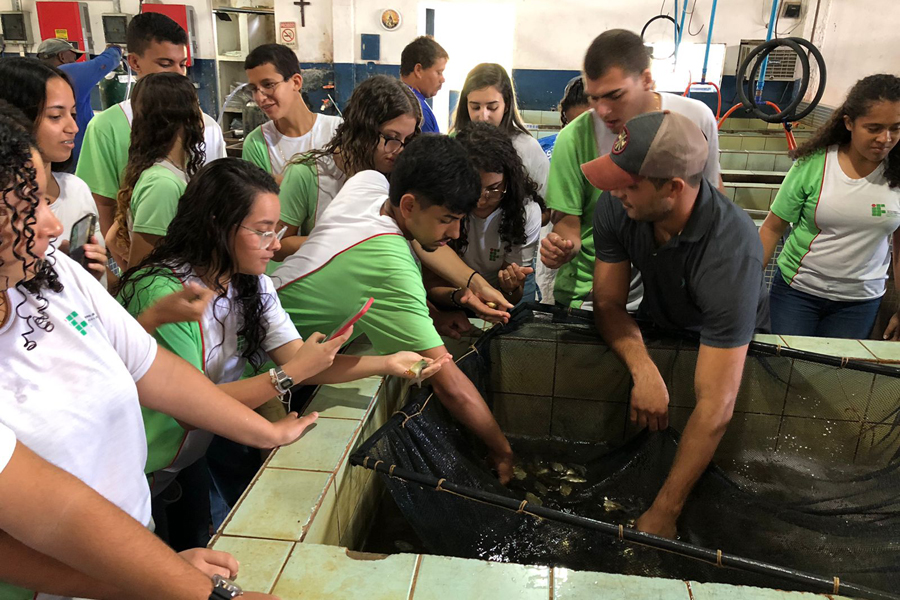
(788, 134)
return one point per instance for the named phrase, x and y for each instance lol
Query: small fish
(541, 471)
(611, 505)
(492, 305)
(565, 490)
(574, 479)
(570, 472)
(540, 488)
(559, 468)
(519, 473)
(532, 499)
(582, 471)
(416, 370)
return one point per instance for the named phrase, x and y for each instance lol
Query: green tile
(279, 505)
(776, 143)
(753, 143)
(585, 585)
(523, 366)
(324, 528)
(320, 449)
(768, 338)
(830, 346)
(756, 124)
(441, 577)
(882, 350)
(830, 442)
(733, 161)
(260, 560)
(354, 531)
(348, 400)
(664, 359)
(826, 392)
(783, 163)
(761, 162)
(591, 372)
(879, 445)
(588, 420)
(315, 572)
(753, 198)
(884, 400)
(523, 415)
(720, 591)
(352, 483)
(730, 142)
(764, 385)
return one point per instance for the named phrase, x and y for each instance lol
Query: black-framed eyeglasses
(393, 145)
(267, 89)
(492, 194)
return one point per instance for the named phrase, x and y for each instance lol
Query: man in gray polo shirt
(701, 262)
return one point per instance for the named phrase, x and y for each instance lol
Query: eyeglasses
(267, 89)
(266, 238)
(492, 194)
(393, 145)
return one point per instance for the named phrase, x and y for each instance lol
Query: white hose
(227, 100)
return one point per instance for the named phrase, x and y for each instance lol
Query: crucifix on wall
(302, 4)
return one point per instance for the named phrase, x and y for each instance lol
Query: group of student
(224, 274)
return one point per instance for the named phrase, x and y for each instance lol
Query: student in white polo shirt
(842, 197)
(275, 82)
(155, 44)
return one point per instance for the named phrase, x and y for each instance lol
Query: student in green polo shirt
(155, 44)
(619, 86)
(166, 151)
(360, 248)
(275, 82)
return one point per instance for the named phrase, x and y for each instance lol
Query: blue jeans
(798, 313)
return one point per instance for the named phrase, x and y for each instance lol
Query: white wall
(96, 8)
(856, 38)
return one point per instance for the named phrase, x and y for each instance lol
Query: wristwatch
(282, 382)
(224, 589)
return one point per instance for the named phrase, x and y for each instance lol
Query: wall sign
(287, 33)
(391, 19)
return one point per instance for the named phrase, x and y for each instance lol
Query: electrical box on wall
(370, 46)
(16, 27)
(791, 10)
(184, 16)
(67, 21)
(114, 27)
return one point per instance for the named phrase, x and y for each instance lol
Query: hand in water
(503, 464)
(658, 522)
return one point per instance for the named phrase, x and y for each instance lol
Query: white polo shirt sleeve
(7, 445)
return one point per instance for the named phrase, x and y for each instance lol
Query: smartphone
(81, 234)
(342, 329)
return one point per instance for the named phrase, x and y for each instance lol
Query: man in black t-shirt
(700, 259)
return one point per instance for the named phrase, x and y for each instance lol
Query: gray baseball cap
(52, 46)
(662, 145)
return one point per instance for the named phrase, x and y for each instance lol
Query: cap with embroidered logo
(662, 145)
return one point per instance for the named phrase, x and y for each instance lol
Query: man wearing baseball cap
(56, 51)
(701, 262)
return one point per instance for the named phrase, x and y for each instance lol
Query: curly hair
(26, 88)
(491, 151)
(490, 75)
(374, 102)
(860, 98)
(200, 239)
(572, 97)
(165, 105)
(18, 176)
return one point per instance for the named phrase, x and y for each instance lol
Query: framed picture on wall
(390, 19)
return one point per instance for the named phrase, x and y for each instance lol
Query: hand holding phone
(81, 234)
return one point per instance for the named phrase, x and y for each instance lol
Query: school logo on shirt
(495, 254)
(80, 325)
(621, 142)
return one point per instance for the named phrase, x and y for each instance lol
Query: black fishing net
(810, 506)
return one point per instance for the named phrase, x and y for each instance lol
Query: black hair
(19, 176)
(437, 170)
(864, 93)
(25, 87)
(616, 48)
(200, 240)
(165, 104)
(279, 56)
(572, 97)
(492, 151)
(490, 75)
(373, 103)
(149, 27)
(421, 51)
